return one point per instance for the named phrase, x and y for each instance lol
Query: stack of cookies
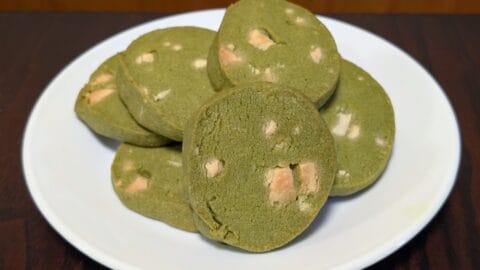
(240, 134)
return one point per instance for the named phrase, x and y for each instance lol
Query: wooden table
(35, 46)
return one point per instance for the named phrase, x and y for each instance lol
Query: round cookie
(150, 182)
(274, 41)
(361, 119)
(99, 106)
(258, 166)
(163, 77)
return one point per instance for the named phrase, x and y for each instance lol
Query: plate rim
(370, 257)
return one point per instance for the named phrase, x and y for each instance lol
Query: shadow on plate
(107, 142)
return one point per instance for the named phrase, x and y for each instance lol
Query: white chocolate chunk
(289, 11)
(254, 70)
(101, 79)
(145, 58)
(308, 176)
(145, 90)
(260, 39)
(213, 167)
(175, 163)
(139, 184)
(342, 177)
(300, 20)
(303, 205)
(268, 75)
(227, 56)
(127, 165)
(280, 185)
(118, 183)
(280, 145)
(269, 128)
(380, 141)
(353, 132)
(161, 95)
(296, 130)
(343, 174)
(341, 127)
(360, 78)
(199, 63)
(177, 47)
(97, 96)
(167, 44)
(316, 54)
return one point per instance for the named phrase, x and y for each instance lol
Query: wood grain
(322, 6)
(35, 46)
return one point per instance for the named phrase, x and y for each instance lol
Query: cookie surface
(258, 166)
(274, 41)
(361, 119)
(99, 106)
(163, 77)
(150, 182)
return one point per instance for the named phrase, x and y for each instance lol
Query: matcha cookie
(163, 78)
(361, 120)
(274, 41)
(150, 182)
(99, 106)
(258, 166)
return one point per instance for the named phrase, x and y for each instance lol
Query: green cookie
(274, 41)
(150, 182)
(99, 106)
(361, 120)
(163, 78)
(258, 166)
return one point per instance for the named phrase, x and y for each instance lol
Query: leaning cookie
(150, 182)
(362, 122)
(278, 42)
(99, 106)
(163, 77)
(258, 166)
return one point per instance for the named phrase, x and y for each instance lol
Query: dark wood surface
(322, 6)
(35, 46)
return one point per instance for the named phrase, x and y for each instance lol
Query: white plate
(67, 170)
